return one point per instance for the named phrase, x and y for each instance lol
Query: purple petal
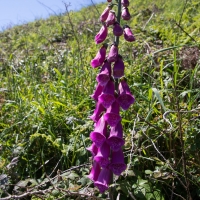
(98, 136)
(107, 97)
(118, 69)
(95, 171)
(97, 92)
(117, 162)
(103, 154)
(97, 112)
(112, 116)
(105, 74)
(115, 139)
(103, 180)
(93, 149)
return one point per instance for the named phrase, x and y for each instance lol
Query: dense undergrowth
(45, 83)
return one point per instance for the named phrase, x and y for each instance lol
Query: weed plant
(45, 81)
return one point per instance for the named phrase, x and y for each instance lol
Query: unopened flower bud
(125, 14)
(117, 29)
(102, 34)
(125, 3)
(111, 18)
(128, 35)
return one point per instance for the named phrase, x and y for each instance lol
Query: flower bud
(117, 29)
(113, 53)
(128, 35)
(125, 14)
(111, 18)
(125, 3)
(102, 34)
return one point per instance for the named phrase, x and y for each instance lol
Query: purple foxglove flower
(104, 76)
(95, 171)
(117, 29)
(128, 35)
(93, 149)
(107, 97)
(117, 165)
(125, 98)
(115, 139)
(105, 14)
(103, 154)
(97, 112)
(103, 180)
(125, 3)
(98, 136)
(97, 92)
(125, 14)
(100, 57)
(102, 34)
(113, 53)
(118, 69)
(112, 116)
(111, 18)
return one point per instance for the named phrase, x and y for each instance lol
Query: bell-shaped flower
(112, 116)
(97, 112)
(125, 14)
(102, 34)
(128, 35)
(93, 149)
(95, 171)
(111, 18)
(98, 136)
(118, 69)
(117, 29)
(125, 3)
(103, 154)
(113, 53)
(105, 13)
(107, 97)
(117, 165)
(104, 76)
(103, 180)
(115, 139)
(125, 98)
(100, 57)
(97, 92)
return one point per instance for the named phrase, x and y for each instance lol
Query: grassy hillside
(45, 85)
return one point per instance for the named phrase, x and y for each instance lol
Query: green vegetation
(45, 83)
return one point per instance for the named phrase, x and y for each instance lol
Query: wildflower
(104, 76)
(115, 139)
(100, 57)
(112, 116)
(125, 14)
(117, 162)
(98, 136)
(125, 3)
(102, 34)
(113, 53)
(107, 96)
(118, 69)
(111, 18)
(97, 92)
(105, 14)
(128, 35)
(95, 171)
(103, 180)
(103, 154)
(117, 29)
(125, 98)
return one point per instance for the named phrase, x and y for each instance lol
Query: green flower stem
(117, 38)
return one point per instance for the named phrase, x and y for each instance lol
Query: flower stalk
(112, 94)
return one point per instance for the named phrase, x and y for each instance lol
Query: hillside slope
(45, 85)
